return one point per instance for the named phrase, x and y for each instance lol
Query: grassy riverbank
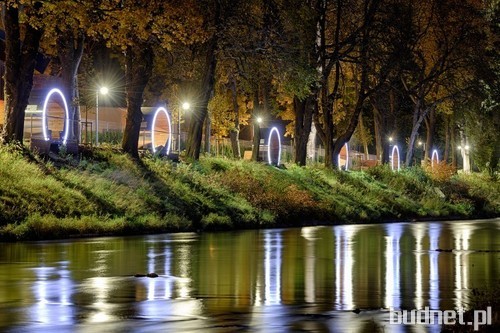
(106, 192)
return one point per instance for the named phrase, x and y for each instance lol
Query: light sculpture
(169, 139)
(44, 115)
(395, 149)
(346, 158)
(434, 156)
(274, 131)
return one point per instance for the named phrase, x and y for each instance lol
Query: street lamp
(104, 91)
(185, 107)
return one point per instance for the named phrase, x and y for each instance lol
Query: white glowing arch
(169, 140)
(435, 156)
(44, 115)
(394, 149)
(346, 158)
(274, 129)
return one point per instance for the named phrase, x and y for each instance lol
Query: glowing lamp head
(466, 147)
(259, 120)
(104, 90)
(390, 139)
(420, 143)
(186, 106)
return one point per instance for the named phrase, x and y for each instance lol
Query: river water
(297, 279)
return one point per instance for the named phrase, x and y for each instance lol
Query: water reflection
(272, 267)
(393, 270)
(305, 279)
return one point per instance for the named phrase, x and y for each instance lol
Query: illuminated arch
(273, 130)
(44, 115)
(169, 140)
(346, 158)
(435, 156)
(394, 149)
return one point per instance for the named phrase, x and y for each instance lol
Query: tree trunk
(379, 130)
(19, 68)
(418, 118)
(256, 127)
(364, 135)
(235, 131)
(195, 134)
(453, 145)
(447, 138)
(303, 121)
(70, 52)
(139, 59)
(430, 124)
(208, 132)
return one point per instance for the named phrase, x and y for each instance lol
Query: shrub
(440, 171)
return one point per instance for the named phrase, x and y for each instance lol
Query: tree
(229, 108)
(20, 58)
(349, 34)
(136, 28)
(199, 114)
(443, 34)
(66, 40)
(297, 81)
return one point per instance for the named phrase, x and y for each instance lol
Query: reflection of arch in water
(44, 116)
(435, 157)
(271, 143)
(153, 131)
(344, 265)
(395, 149)
(392, 288)
(346, 148)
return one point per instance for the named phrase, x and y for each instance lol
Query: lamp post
(424, 152)
(185, 107)
(104, 91)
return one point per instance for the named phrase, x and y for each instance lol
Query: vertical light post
(256, 139)
(185, 107)
(104, 91)
(422, 144)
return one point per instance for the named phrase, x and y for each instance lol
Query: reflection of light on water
(418, 232)
(183, 284)
(168, 264)
(434, 232)
(272, 267)
(392, 274)
(462, 236)
(101, 288)
(344, 262)
(309, 234)
(151, 269)
(51, 291)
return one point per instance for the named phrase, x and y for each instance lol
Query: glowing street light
(259, 120)
(104, 91)
(185, 106)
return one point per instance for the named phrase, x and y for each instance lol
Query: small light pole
(422, 144)
(104, 91)
(185, 106)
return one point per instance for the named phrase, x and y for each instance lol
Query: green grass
(105, 192)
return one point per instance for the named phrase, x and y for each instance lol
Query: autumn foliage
(440, 171)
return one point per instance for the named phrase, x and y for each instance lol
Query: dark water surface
(304, 279)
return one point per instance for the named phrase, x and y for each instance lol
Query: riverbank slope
(106, 193)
